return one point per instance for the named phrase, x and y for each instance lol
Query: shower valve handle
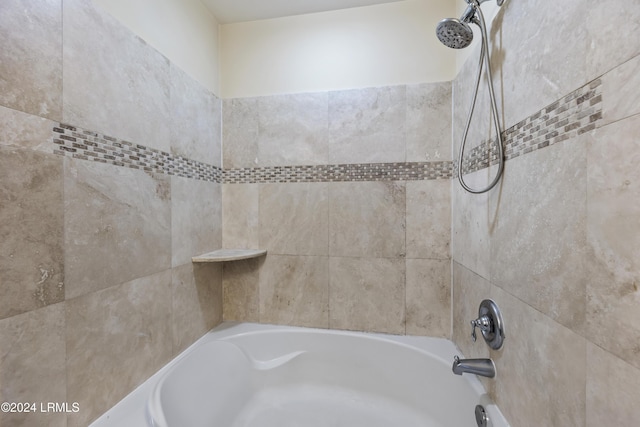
(483, 322)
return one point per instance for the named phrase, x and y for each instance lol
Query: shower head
(454, 33)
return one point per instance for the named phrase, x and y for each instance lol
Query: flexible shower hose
(483, 56)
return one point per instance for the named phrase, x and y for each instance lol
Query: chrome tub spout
(482, 367)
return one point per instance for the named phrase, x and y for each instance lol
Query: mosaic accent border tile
(72, 141)
(576, 113)
(78, 143)
(339, 173)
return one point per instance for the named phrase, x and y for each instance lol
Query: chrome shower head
(454, 33)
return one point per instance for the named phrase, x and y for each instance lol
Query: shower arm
(483, 51)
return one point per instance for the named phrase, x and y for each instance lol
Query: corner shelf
(223, 255)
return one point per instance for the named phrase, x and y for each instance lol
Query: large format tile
(612, 390)
(367, 219)
(294, 290)
(537, 61)
(428, 219)
(24, 130)
(293, 129)
(240, 216)
(612, 27)
(30, 58)
(116, 339)
(117, 225)
(241, 290)
(240, 130)
(196, 302)
(468, 291)
(428, 297)
(429, 122)
(541, 369)
(613, 234)
(621, 96)
(114, 83)
(538, 241)
(481, 127)
(31, 230)
(367, 125)
(294, 218)
(461, 91)
(367, 294)
(196, 218)
(471, 225)
(196, 120)
(32, 366)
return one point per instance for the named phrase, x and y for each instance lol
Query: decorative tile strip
(340, 173)
(72, 141)
(573, 115)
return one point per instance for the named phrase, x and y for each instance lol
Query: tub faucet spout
(482, 367)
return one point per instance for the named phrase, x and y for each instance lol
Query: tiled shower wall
(556, 244)
(349, 191)
(97, 288)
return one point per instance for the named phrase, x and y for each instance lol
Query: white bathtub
(251, 375)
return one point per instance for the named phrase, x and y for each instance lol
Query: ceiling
(229, 11)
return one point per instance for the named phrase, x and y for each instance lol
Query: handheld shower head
(454, 33)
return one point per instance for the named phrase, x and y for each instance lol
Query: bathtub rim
(131, 410)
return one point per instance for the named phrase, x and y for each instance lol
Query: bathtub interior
(242, 377)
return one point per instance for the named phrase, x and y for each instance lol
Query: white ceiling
(228, 11)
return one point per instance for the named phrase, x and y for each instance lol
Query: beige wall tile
(294, 290)
(114, 83)
(471, 223)
(196, 302)
(468, 291)
(367, 125)
(196, 119)
(241, 290)
(240, 216)
(294, 218)
(538, 60)
(293, 129)
(116, 339)
(429, 122)
(117, 225)
(30, 60)
(620, 90)
(481, 127)
(367, 219)
(23, 130)
(612, 390)
(613, 233)
(240, 133)
(428, 297)
(367, 294)
(118, 221)
(196, 218)
(31, 230)
(538, 241)
(541, 370)
(611, 25)
(428, 219)
(462, 88)
(32, 366)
